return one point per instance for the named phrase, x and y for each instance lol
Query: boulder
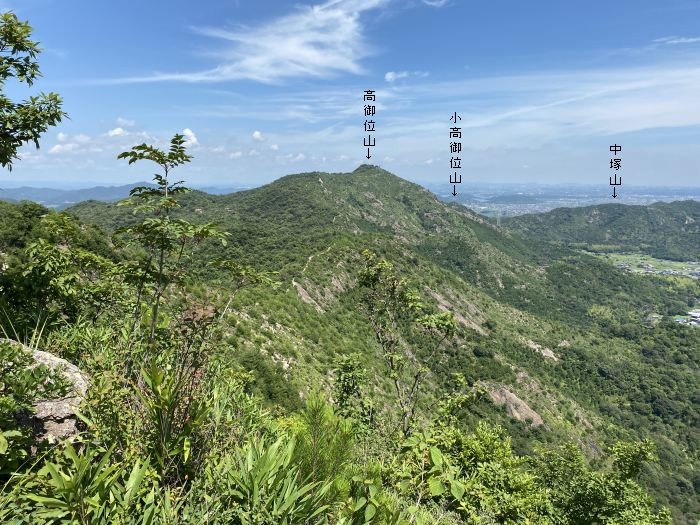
(55, 419)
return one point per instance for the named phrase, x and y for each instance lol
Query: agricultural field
(642, 263)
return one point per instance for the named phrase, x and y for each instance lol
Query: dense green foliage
(663, 230)
(506, 292)
(268, 379)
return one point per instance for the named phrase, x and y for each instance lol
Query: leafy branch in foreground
(25, 121)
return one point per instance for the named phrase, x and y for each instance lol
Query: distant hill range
(59, 199)
(662, 230)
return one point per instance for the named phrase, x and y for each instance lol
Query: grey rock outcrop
(58, 415)
(55, 418)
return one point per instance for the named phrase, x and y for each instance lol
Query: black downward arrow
(368, 155)
(454, 189)
(614, 192)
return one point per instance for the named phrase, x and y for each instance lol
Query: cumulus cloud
(257, 135)
(63, 148)
(190, 137)
(236, 155)
(274, 147)
(80, 138)
(253, 153)
(117, 132)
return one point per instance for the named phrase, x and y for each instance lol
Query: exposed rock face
(515, 407)
(305, 296)
(542, 350)
(58, 415)
(55, 418)
(472, 311)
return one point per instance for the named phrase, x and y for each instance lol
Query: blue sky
(265, 88)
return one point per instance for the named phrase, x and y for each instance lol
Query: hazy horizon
(85, 184)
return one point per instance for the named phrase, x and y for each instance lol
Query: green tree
(349, 395)
(166, 240)
(583, 496)
(323, 441)
(396, 314)
(22, 122)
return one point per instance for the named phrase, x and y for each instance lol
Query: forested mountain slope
(558, 339)
(663, 230)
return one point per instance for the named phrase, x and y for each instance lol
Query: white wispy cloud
(675, 40)
(257, 135)
(125, 122)
(236, 155)
(295, 158)
(393, 76)
(535, 111)
(328, 105)
(80, 138)
(314, 41)
(70, 144)
(436, 3)
(528, 108)
(274, 147)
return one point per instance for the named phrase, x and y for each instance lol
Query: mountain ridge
(561, 332)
